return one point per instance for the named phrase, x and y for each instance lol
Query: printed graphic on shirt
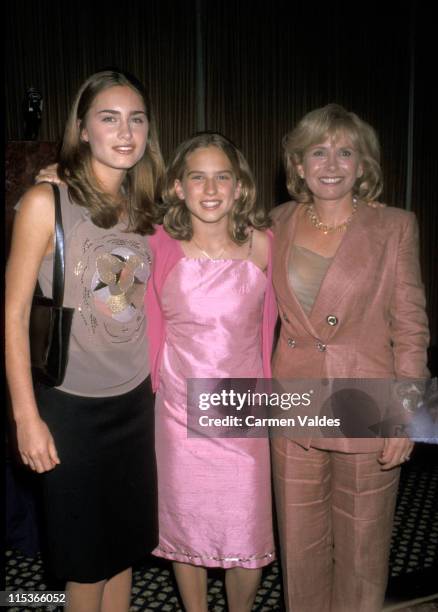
(113, 273)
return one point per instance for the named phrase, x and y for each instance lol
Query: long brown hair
(142, 184)
(246, 211)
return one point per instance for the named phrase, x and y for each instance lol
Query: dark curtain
(266, 68)
(425, 168)
(54, 46)
(265, 65)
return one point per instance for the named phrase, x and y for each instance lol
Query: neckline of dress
(223, 260)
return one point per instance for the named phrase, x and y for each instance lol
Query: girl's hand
(36, 445)
(48, 174)
(395, 451)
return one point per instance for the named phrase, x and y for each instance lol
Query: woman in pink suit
(211, 313)
(351, 301)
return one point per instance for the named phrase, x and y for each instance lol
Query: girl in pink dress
(212, 315)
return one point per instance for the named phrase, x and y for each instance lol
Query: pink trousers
(335, 512)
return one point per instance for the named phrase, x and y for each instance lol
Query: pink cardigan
(166, 253)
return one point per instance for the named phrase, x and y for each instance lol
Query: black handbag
(50, 321)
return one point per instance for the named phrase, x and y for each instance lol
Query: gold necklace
(328, 229)
(210, 257)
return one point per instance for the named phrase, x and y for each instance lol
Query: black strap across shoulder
(59, 257)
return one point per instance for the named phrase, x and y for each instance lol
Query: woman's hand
(395, 451)
(48, 174)
(36, 445)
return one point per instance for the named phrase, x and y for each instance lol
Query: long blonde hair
(142, 184)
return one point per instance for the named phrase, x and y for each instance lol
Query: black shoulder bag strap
(59, 258)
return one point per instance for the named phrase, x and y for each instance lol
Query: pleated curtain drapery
(269, 68)
(54, 46)
(249, 70)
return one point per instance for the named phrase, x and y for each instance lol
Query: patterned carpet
(413, 561)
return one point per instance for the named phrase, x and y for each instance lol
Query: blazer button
(321, 347)
(291, 342)
(332, 320)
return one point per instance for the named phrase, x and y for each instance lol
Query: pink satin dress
(214, 493)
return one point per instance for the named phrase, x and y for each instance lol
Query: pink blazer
(368, 319)
(166, 253)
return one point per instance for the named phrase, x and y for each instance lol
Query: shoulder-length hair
(246, 211)
(327, 122)
(142, 184)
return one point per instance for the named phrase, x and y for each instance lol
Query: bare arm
(32, 239)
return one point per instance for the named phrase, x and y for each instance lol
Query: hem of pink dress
(226, 562)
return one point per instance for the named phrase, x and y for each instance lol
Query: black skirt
(101, 501)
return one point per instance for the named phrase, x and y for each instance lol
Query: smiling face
(209, 186)
(116, 129)
(331, 168)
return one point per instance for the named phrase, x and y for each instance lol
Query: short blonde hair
(143, 181)
(246, 211)
(333, 121)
